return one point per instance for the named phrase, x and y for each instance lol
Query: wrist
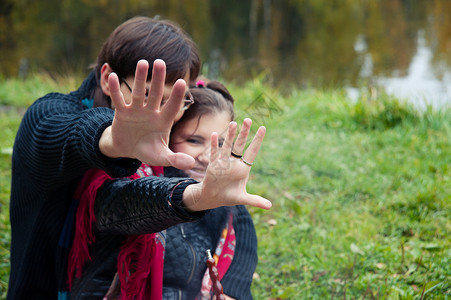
(178, 199)
(191, 197)
(106, 144)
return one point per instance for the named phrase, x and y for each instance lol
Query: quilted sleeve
(141, 206)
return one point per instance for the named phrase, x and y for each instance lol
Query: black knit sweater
(57, 142)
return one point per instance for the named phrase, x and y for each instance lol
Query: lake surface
(421, 85)
(400, 46)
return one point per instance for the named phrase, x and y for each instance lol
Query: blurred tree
(316, 42)
(439, 35)
(8, 55)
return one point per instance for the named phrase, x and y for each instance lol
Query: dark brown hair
(150, 39)
(212, 97)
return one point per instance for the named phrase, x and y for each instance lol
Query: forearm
(140, 206)
(59, 141)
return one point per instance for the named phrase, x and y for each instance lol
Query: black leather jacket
(123, 207)
(118, 216)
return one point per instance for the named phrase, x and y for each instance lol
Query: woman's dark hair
(212, 97)
(150, 39)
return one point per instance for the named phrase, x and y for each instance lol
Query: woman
(135, 257)
(60, 139)
(229, 230)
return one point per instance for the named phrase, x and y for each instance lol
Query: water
(421, 86)
(401, 46)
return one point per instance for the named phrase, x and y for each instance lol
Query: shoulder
(72, 101)
(54, 103)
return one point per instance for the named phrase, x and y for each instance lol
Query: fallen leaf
(338, 280)
(288, 195)
(318, 275)
(381, 265)
(272, 222)
(356, 249)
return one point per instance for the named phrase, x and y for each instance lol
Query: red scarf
(223, 255)
(137, 281)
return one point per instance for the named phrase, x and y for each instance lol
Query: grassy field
(361, 192)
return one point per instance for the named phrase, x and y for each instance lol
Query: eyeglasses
(188, 101)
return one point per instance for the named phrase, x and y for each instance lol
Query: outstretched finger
(172, 107)
(117, 98)
(240, 143)
(139, 84)
(156, 85)
(214, 147)
(228, 141)
(252, 151)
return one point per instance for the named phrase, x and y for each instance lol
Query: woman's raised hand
(228, 172)
(141, 128)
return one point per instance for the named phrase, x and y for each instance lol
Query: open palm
(226, 177)
(140, 129)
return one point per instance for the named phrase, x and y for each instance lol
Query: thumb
(181, 161)
(256, 201)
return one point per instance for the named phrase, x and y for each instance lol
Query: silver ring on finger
(246, 162)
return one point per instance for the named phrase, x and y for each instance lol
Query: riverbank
(361, 192)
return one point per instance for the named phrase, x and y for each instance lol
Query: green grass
(9, 122)
(18, 93)
(361, 192)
